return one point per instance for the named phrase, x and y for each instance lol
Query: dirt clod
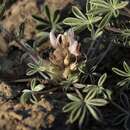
(21, 12)
(24, 116)
(6, 90)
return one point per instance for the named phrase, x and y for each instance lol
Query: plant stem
(118, 106)
(34, 56)
(90, 48)
(47, 91)
(104, 54)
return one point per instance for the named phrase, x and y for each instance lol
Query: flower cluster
(66, 47)
(66, 50)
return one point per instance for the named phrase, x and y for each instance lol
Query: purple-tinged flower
(74, 46)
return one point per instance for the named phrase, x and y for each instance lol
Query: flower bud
(73, 66)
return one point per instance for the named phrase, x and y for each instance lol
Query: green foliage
(107, 9)
(124, 115)
(96, 10)
(99, 89)
(29, 94)
(81, 21)
(47, 70)
(71, 80)
(86, 92)
(51, 22)
(2, 9)
(34, 68)
(125, 73)
(126, 36)
(80, 107)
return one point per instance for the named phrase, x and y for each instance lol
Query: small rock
(6, 90)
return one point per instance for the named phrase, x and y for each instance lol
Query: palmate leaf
(40, 19)
(27, 91)
(79, 108)
(42, 27)
(122, 4)
(106, 9)
(95, 112)
(52, 14)
(31, 72)
(97, 102)
(49, 22)
(97, 90)
(78, 13)
(73, 98)
(125, 32)
(124, 115)
(56, 16)
(120, 72)
(92, 103)
(124, 82)
(48, 13)
(91, 88)
(126, 67)
(105, 20)
(89, 99)
(97, 11)
(75, 114)
(29, 94)
(83, 115)
(102, 79)
(111, 5)
(125, 73)
(32, 66)
(33, 83)
(26, 96)
(93, 19)
(79, 86)
(119, 119)
(90, 95)
(38, 88)
(76, 109)
(124, 101)
(81, 21)
(74, 22)
(100, 3)
(70, 106)
(98, 33)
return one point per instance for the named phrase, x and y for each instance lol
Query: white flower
(53, 39)
(67, 40)
(70, 35)
(74, 46)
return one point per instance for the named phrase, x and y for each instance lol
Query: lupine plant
(52, 22)
(95, 11)
(76, 63)
(124, 115)
(29, 94)
(80, 107)
(125, 74)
